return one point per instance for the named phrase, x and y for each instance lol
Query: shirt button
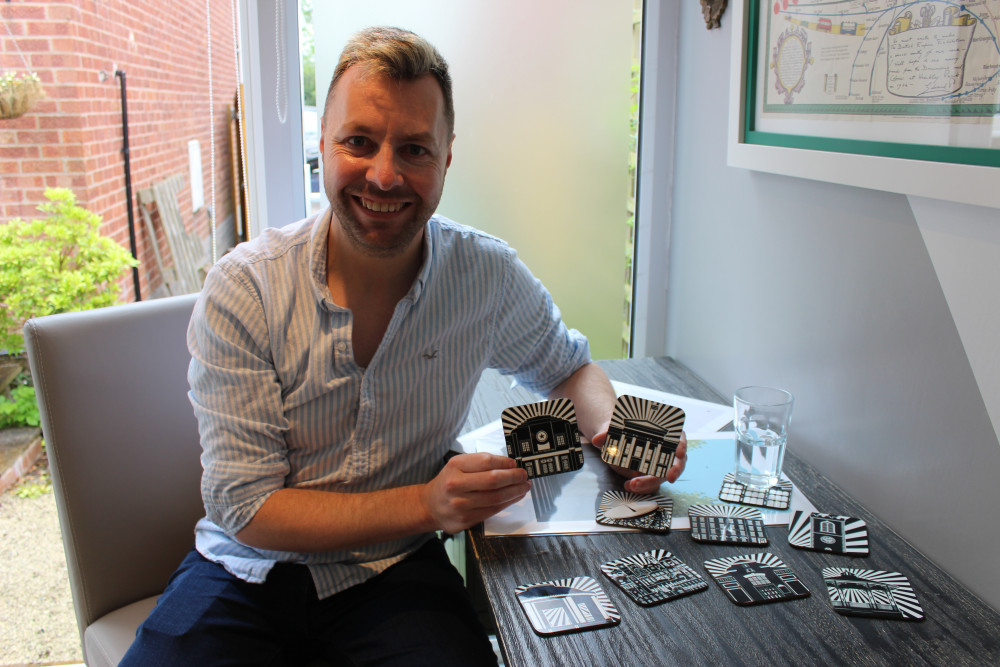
(341, 347)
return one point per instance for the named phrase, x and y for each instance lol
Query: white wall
(273, 112)
(541, 123)
(832, 292)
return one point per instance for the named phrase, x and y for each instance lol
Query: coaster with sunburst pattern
(654, 576)
(643, 435)
(566, 605)
(543, 437)
(872, 593)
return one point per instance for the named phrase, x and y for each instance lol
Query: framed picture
(895, 95)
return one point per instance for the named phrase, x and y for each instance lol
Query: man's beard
(419, 213)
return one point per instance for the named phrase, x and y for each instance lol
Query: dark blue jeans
(417, 612)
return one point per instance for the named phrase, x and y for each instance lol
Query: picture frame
(817, 144)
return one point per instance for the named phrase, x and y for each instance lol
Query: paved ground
(37, 625)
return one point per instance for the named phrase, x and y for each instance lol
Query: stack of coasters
(776, 497)
(828, 532)
(567, 605)
(653, 577)
(543, 437)
(725, 524)
(643, 436)
(756, 579)
(871, 593)
(633, 510)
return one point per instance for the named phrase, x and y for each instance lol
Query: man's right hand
(473, 487)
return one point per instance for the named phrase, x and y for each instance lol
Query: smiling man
(333, 364)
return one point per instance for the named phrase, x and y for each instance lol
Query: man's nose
(384, 171)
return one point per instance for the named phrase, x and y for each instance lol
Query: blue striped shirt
(281, 402)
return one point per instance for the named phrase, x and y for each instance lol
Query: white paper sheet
(699, 416)
(567, 503)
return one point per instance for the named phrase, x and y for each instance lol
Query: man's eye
(415, 150)
(355, 142)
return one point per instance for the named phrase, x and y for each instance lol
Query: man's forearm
(307, 521)
(593, 396)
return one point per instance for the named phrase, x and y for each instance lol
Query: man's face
(386, 148)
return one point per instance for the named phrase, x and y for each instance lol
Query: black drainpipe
(128, 184)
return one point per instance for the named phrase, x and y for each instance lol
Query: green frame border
(983, 157)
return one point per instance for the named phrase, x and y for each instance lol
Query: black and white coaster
(756, 579)
(643, 435)
(566, 605)
(776, 497)
(872, 593)
(653, 577)
(543, 437)
(633, 510)
(726, 524)
(827, 532)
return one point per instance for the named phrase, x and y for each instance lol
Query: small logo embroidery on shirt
(431, 355)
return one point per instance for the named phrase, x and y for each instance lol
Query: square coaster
(727, 524)
(776, 497)
(643, 435)
(633, 510)
(543, 437)
(756, 579)
(653, 577)
(567, 605)
(871, 593)
(827, 532)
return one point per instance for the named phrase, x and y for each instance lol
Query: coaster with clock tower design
(651, 513)
(543, 437)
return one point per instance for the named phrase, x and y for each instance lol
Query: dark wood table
(706, 628)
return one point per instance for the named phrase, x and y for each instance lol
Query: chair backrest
(122, 443)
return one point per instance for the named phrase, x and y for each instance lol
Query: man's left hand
(647, 484)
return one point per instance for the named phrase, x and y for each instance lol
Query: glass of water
(762, 415)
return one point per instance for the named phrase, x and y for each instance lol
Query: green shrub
(20, 409)
(55, 264)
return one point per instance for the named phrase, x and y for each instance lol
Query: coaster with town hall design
(643, 435)
(777, 497)
(543, 437)
(756, 579)
(727, 524)
(828, 532)
(654, 576)
(651, 513)
(567, 605)
(871, 593)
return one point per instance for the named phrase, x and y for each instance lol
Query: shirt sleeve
(236, 398)
(532, 342)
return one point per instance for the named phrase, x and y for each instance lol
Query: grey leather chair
(122, 442)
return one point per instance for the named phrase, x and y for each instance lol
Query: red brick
(60, 122)
(24, 11)
(41, 166)
(60, 150)
(48, 28)
(62, 12)
(8, 152)
(37, 136)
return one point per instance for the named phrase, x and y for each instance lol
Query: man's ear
(322, 134)
(447, 162)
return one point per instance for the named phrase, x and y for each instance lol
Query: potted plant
(18, 93)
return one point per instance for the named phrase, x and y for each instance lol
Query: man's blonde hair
(398, 54)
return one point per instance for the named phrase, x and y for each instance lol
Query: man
(333, 363)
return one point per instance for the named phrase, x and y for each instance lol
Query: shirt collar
(319, 249)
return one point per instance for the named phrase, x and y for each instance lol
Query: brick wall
(73, 137)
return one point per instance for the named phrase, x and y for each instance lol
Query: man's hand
(647, 484)
(473, 487)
